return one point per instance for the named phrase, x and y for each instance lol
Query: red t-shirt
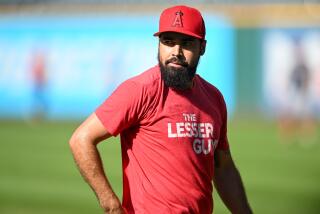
(168, 139)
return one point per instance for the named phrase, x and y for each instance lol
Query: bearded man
(173, 130)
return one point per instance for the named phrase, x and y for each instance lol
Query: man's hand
(112, 205)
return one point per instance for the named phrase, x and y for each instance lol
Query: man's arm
(228, 183)
(83, 144)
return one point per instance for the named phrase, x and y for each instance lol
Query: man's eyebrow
(188, 39)
(167, 38)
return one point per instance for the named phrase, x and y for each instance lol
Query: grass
(38, 174)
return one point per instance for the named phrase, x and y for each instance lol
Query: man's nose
(177, 50)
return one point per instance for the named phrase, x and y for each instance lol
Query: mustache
(177, 61)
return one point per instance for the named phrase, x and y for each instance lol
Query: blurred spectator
(39, 80)
(297, 123)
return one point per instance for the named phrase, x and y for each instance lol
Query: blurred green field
(38, 174)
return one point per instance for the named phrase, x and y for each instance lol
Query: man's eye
(168, 42)
(187, 43)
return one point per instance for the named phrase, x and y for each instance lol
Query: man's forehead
(176, 36)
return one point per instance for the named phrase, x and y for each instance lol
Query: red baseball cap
(182, 19)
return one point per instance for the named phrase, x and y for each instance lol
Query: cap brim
(182, 32)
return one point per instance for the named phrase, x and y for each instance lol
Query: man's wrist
(109, 201)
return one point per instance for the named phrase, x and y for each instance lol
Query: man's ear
(203, 45)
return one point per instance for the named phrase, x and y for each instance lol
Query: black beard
(177, 78)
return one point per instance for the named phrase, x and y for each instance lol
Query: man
(173, 128)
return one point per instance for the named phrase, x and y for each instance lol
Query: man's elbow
(73, 142)
(77, 141)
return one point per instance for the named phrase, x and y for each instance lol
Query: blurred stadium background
(60, 59)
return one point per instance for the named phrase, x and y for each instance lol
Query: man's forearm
(89, 162)
(231, 190)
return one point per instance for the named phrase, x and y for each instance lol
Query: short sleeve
(223, 140)
(122, 109)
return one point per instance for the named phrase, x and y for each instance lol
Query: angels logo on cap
(178, 20)
(182, 19)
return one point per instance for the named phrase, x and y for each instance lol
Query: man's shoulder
(148, 77)
(209, 87)
(212, 93)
